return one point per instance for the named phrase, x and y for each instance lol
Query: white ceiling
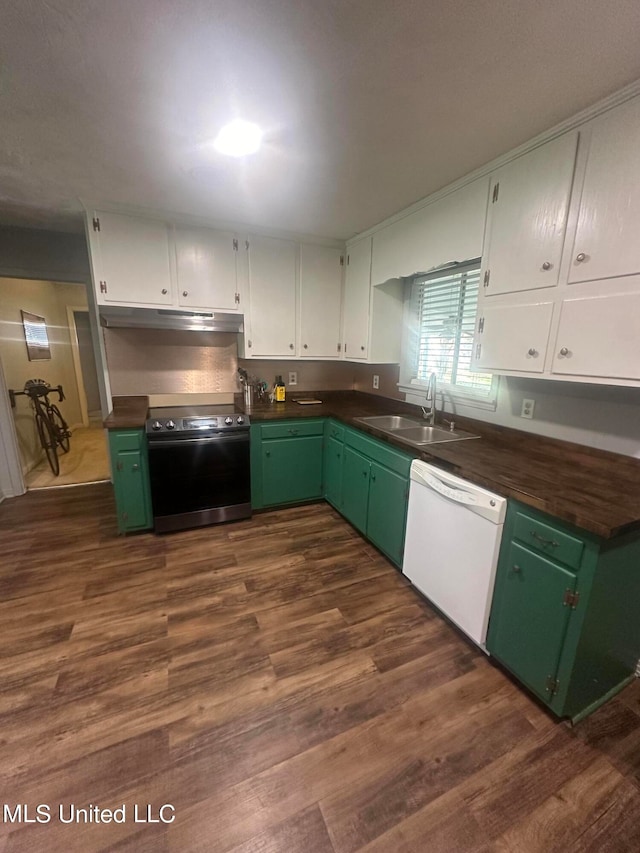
(368, 105)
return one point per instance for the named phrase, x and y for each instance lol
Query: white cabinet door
(131, 260)
(607, 240)
(599, 336)
(320, 301)
(513, 337)
(527, 218)
(206, 264)
(357, 292)
(450, 229)
(272, 296)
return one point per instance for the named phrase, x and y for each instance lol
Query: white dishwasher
(452, 543)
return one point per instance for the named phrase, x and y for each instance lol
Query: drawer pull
(516, 570)
(293, 431)
(544, 541)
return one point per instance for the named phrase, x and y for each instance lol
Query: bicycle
(53, 430)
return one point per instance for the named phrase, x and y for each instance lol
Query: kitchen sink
(430, 434)
(412, 431)
(390, 422)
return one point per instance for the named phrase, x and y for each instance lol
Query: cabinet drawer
(291, 429)
(556, 544)
(335, 430)
(121, 440)
(382, 453)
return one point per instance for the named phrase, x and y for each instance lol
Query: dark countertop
(596, 490)
(128, 413)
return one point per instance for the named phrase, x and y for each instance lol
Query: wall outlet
(527, 408)
(293, 377)
(376, 381)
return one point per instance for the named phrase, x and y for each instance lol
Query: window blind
(445, 305)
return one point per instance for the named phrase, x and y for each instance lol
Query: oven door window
(188, 475)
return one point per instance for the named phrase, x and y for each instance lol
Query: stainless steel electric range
(199, 466)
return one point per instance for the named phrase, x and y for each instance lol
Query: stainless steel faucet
(431, 398)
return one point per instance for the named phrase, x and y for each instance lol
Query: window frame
(408, 384)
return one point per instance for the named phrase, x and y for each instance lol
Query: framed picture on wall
(35, 334)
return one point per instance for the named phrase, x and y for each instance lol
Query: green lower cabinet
(355, 488)
(286, 462)
(333, 470)
(531, 605)
(291, 470)
(564, 618)
(375, 492)
(128, 449)
(387, 514)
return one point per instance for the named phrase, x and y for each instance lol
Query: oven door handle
(210, 439)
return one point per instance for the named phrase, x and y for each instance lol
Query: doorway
(69, 362)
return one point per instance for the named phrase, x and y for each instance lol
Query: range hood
(113, 317)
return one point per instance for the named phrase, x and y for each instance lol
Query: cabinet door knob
(516, 570)
(185, 292)
(362, 348)
(306, 346)
(547, 265)
(135, 467)
(373, 476)
(249, 343)
(531, 351)
(267, 453)
(291, 346)
(164, 291)
(580, 257)
(564, 351)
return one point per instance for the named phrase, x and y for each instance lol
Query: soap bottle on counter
(279, 390)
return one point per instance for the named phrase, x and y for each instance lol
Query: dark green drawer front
(121, 440)
(550, 541)
(382, 453)
(291, 429)
(335, 430)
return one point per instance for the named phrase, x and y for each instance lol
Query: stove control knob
(240, 420)
(156, 425)
(228, 421)
(170, 424)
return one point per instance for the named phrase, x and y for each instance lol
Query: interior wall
(604, 416)
(49, 300)
(43, 255)
(312, 375)
(87, 360)
(151, 361)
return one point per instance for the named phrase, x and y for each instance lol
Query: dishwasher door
(452, 543)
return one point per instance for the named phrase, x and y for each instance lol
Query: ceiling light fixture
(238, 138)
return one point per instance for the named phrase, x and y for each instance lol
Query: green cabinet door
(530, 616)
(333, 465)
(387, 511)
(355, 488)
(291, 469)
(131, 480)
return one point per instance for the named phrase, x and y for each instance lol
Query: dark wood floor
(279, 683)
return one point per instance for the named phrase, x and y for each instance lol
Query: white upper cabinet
(130, 258)
(450, 229)
(206, 268)
(527, 218)
(357, 292)
(372, 315)
(600, 337)
(272, 297)
(514, 338)
(320, 301)
(607, 241)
